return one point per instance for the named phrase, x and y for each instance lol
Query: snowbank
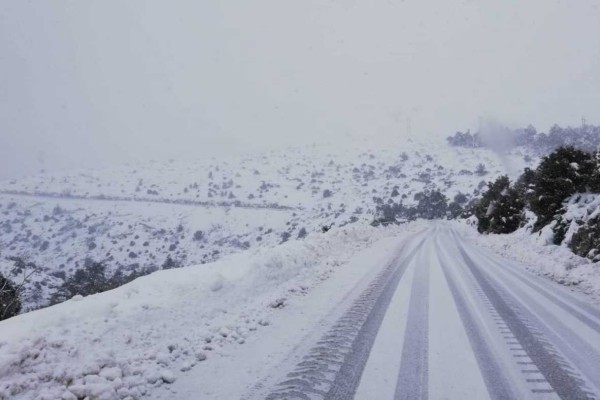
(537, 253)
(122, 343)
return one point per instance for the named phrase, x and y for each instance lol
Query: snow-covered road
(448, 320)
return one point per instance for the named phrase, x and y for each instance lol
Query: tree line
(561, 174)
(585, 137)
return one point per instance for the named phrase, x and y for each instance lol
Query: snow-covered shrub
(480, 170)
(302, 233)
(170, 263)
(198, 236)
(285, 236)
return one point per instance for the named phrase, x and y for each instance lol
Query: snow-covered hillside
(155, 215)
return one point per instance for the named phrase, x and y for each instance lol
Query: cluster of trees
(586, 138)
(561, 174)
(465, 139)
(564, 172)
(93, 278)
(431, 204)
(500, 209)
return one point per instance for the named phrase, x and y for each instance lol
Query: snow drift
(121, 343)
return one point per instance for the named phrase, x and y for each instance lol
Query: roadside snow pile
(121, 343)
(539, 255)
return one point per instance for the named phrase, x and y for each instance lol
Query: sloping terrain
(138, 218)
(124, 343)
(359, 312)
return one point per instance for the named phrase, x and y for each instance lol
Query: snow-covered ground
(124, 343)
(260, 261)
(195, 331)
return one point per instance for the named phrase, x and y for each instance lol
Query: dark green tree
(561, 174)
(455, 210)
(500, 209)
(432, 205)
(525, 185)
(170, 263)
(92, 279)
(10, 304)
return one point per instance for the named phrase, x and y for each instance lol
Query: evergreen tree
(455, 210)
(86, 281)
(480, 170)
(595, 178)
(500, 209)
(525, 185)
(432, 205)
(561, 174)
(10, 305)
(170, 263)
(92, 279)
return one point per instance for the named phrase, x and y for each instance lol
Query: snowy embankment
(124, 343)
(541, 257)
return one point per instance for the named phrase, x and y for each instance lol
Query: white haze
(85, 83)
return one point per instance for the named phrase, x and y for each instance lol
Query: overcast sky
(93, 82)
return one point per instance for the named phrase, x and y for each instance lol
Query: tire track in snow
(583, 312)
(528, 361)
(413, 375)
(332, 369)
(496, 382)
(548, 362)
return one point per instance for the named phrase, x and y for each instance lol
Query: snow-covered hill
(155, 215)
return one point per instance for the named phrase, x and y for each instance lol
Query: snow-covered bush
(481, 170)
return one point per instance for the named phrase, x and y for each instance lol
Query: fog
(89, 83)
